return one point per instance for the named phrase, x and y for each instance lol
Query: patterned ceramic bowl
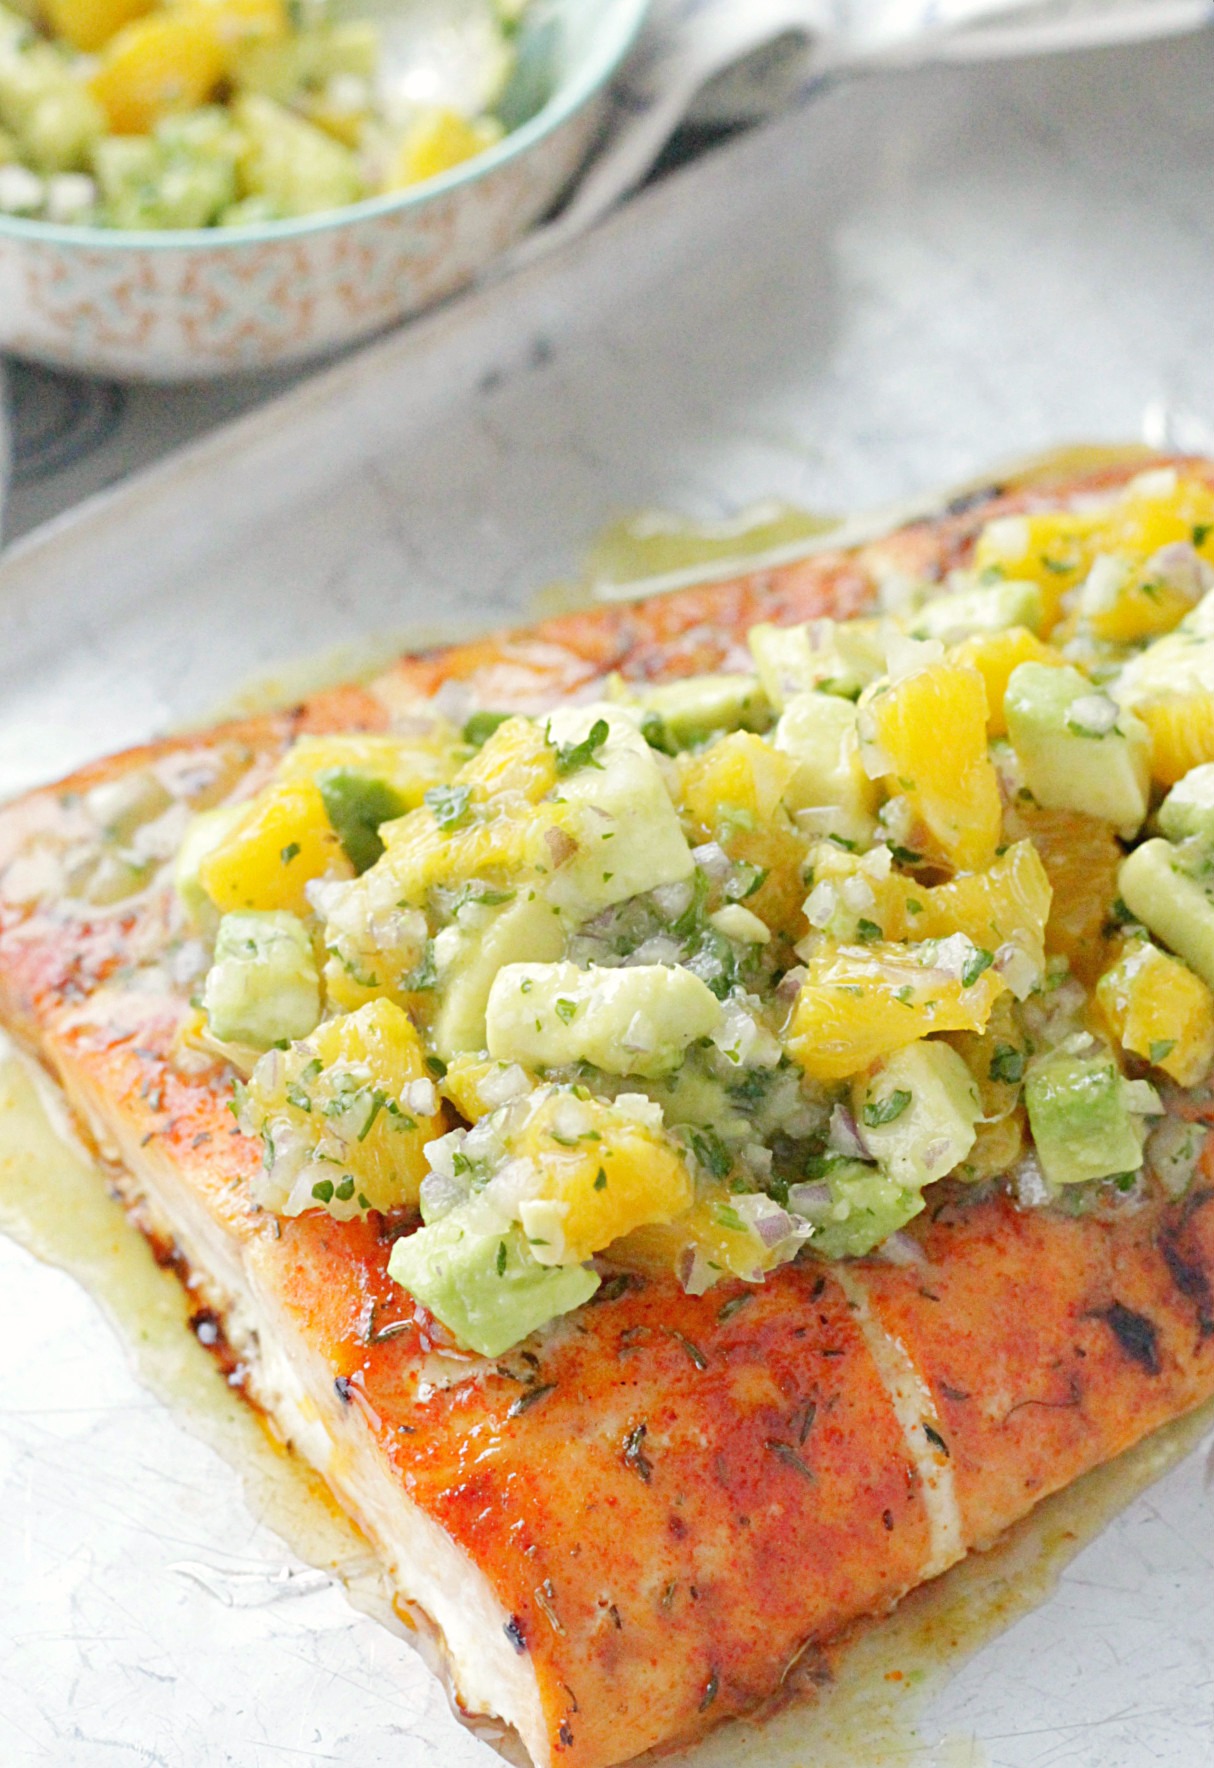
(185, 306)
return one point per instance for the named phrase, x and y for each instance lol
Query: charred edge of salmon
(208, 1320)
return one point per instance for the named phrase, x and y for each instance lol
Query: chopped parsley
(710, 1151)
(653, 729)
(570, 757)
(882, 1111)
(1007, 1064)
(424, 974)
(481, 725)
(978, 961)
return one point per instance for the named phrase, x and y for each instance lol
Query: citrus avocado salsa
(155, 114)
(709, 976)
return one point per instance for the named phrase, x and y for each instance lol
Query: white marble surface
(912, 279)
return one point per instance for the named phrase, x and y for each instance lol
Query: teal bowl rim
(566, 101)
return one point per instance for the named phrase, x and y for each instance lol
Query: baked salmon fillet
(692, 1115)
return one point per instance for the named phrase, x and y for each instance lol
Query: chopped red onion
(774, 1226)
(790, 983)
(811, 1200)
(270, 1066)
(672, 899)
(844, 1135)
(1180, 566)
(1174, 1148)
(1028, 1182)
(661, 949)
(504, 1084)
(441, 1193)
(951, 956)
(1018, 969)
(712, 859)
(561, 846)
(821, 903)
(901, 1249)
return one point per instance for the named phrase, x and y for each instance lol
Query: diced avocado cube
(263, 987)
(991, 607)
(146, 185)
(820, 732)
(1188, 810)
(207, 831)
(838, 657)
(688, 711)
(469, 957)
(1081, 1119)
(627, 829)
(636, 1020)
(15, 32)
(1076, 749)
(1161, 891)
(52, 114)
(916, 1112)
(1179, 664)
(295, 165)
(283, 68)
(866, 1205)
(251, 211)
(357, 805)
(486, 1288)
(124, 164)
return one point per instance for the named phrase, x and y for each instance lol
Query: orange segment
(1057, 548)
(858, 1003)
(618, 1175)
(88, 25)
(156, 66)
(1160, 1011)
(344, 1096)
(1053, 550)
(709, 1237)
(1008, 903)
(436, 143)
(1182, 735)
(732, 793)
(994, 655)
(928, 734)
(1081, 857)
(1143, 608)
(281, 843)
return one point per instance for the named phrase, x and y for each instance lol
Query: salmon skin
(634, 1526)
